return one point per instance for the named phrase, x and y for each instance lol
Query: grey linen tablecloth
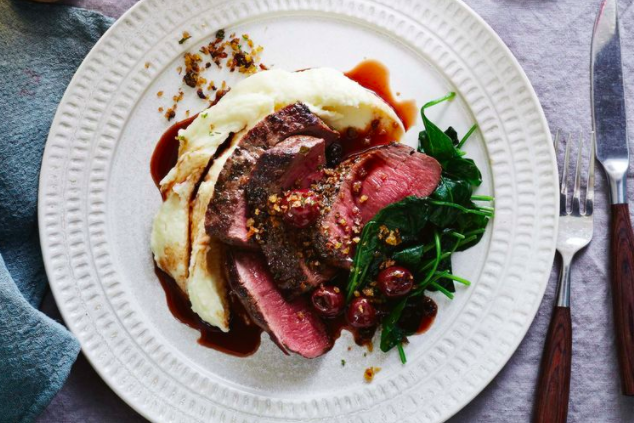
(551, 39)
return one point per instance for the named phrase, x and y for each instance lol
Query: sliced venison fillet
(295, 163)
(227, 213)
(361, 186)
(293, 325)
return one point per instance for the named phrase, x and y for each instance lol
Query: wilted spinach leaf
(445, 147)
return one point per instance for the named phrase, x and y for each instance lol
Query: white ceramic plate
(97, 201)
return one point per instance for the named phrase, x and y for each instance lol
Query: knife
(608, 115)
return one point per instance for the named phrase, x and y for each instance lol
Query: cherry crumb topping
(395, 281)
(328, 301)
(361, 313)
(301, 208)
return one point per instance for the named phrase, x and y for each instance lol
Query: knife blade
(609, 121)
(608, 100)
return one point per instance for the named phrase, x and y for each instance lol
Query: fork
(575, 232)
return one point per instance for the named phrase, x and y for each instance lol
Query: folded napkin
(41, 46)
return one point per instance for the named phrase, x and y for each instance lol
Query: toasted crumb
(170, 113)
(233, 52)
(178, 97)
(201, 94)
(192, 69)
(386, 264)
(147, 65)
(394, 238)
(363, 198)
(369, 373)
(160, 109)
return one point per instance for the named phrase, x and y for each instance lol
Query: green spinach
(430, 229)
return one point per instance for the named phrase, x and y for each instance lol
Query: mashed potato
(179, 225)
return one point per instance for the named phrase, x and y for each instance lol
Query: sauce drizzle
(165, 153)
(375, 76)
(430, 310)
(354, 142)
(243, 338)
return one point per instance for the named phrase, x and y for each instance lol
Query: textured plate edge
(553, 159)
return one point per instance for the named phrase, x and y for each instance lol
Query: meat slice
(227, 213)
(361, 186)
(291, 324)
(294, 163)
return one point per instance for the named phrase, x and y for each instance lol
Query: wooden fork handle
(623, 292)
(553, 386)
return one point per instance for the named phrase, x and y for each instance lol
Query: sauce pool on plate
(375, 76)
(242, 340)
(165, 153)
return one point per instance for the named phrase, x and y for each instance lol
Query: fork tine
(563, 194)
(556, 140)
(576, 193)
(590, 181)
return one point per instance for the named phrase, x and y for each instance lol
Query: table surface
(551, 39)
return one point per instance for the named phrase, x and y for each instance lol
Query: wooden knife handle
(553, 387)
(623, 292)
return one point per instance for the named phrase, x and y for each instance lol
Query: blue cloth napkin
(41, 46)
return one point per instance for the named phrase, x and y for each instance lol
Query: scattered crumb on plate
(369, 373)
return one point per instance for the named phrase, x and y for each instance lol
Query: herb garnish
(186, 37)
(431, 229)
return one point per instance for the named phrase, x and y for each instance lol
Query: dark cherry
(361, 313)
(395, 281)
(302, 208)
(328, 301)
